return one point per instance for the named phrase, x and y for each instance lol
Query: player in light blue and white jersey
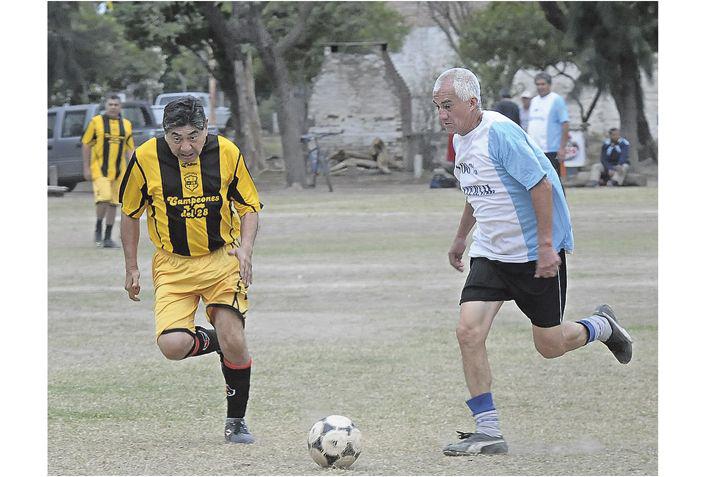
(549, 120)
(522, 234)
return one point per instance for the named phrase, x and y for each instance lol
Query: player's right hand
(456, 251)
(131, 284)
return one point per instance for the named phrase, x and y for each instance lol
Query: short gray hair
(185, 111)
(466, 84)
(543, 76)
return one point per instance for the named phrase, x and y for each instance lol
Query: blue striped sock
(598, 328)
(485, 414)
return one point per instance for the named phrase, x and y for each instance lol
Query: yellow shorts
(106, 190)
(180, 281)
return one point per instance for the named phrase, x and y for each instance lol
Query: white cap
(526, 94)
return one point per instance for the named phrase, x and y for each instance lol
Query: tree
(288, 38)
(88, 54)
(621, 38)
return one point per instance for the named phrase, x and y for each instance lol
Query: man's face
(455, 115)
(112, 108)
(186, 142)
(526, 102)
(615, 135)
(542, 86)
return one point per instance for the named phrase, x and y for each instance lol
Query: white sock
(488, 423)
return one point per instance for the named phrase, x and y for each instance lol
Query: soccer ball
(334, 441)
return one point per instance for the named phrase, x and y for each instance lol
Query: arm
(547, 264)
(564, 140)
(459, 245)
(130, 240)
(86, 154)
(244, 253)
(623, 159)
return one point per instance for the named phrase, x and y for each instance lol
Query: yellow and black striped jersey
(194, 208)
(108, 138)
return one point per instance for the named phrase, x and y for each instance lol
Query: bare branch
(554, 15)
(298, 30)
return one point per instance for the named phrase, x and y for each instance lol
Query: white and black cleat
(475, 443)
(620, 342)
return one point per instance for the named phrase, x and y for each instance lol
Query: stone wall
(361, 97)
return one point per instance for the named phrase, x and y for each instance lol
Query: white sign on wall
(575, 149)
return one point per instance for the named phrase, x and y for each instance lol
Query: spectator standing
(549, 121)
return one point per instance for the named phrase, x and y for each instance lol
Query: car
(66, 124)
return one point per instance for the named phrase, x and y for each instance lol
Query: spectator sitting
(507, 107)
(613, 168)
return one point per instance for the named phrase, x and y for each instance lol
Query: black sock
(205, 341)
(98, 226)
(108, 232)
(238, 383)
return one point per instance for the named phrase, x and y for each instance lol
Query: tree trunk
(288, 116)
(624, 92)
(248, 114)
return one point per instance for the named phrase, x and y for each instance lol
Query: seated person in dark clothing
(507, 107)
(613, 168)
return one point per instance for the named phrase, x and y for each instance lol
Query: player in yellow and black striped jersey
(105, 144)
(202, 215)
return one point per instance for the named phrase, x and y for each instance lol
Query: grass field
(354, 308)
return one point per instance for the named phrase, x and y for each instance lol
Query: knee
(471, 335)
(175, 346)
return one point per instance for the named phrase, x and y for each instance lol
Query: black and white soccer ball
(334, 441)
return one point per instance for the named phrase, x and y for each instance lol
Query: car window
(51, 118)
(166, 100)
(135, 116)
(73, 124)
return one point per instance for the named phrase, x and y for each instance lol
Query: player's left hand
(547, 265)
(244, 262)
(561, 154)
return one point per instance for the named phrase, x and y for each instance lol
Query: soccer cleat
(98, 238)
(109, 243)
(475, 443)
(620, 341)
(237, 431)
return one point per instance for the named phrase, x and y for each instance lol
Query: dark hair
(113, 96)
(613, 129)
(185, 111)
(544, 76)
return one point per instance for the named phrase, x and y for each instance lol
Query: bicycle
(316, 162)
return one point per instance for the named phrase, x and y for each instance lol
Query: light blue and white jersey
(546, 115)
(497, 164)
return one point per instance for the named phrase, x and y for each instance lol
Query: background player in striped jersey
(105, 144)
(202, 214)
(523, 230)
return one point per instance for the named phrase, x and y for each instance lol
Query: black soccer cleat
(620, 341)
(236, 431)
(109, 243)
(475, 443)
(98, 238)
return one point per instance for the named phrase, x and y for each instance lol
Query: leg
(475, 321)
(110, 216)
(620, 175)
(101, 211)
(175, 344)
(558, 340)
(236, 367)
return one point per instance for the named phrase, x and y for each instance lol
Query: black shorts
(553, 158)
(541, 299)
